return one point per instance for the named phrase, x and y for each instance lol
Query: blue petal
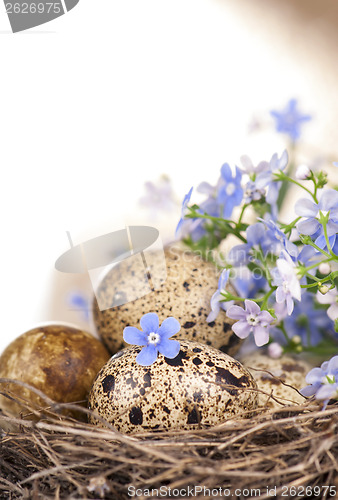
(169, 348)
(226, 172)
(328, 200)
(147, 356)
(306, 208)
(133, 336)
(149, 322)
(169, 327)
(308, 226)
(333, 364)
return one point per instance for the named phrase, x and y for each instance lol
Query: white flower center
(153, 338)
(286, 288)
(230, 189)
(329, 379)
(252, 320)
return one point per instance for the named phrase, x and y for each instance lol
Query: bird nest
(275, 453)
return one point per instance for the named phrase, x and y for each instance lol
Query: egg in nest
(185, 294)
(61, 361)
(200, 386)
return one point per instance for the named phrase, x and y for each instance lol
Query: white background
(117, 92)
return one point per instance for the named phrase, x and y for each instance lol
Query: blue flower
(287, 282)
(311, 211)
(155, 338)
(257, 238)
(230, 193)
(323, 381)
(251, 320)
(159, 196)
(274, 233)
(289, 120)
(308, 322)
(265, 180)
(184, 211)
(79, 301)
(217, 297)
(247, 284)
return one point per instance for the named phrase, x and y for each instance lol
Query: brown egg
(202, 385)
(186, 293)
(287, 369)
(61, 361)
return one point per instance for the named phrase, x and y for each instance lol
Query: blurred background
(115, 94)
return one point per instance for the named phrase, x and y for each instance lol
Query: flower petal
(241, 329)
(308, 226)
(251, 307)
(314, 375)
(261, 335)
(169, 348)
(226, 172)
(147, 356)
(133, 336)
(306, 208)
(169, 327)
(309, 390)
(236, 312)
(149, 322)
(328, 200)
(326, 391)
(332, 312)
(333, 364)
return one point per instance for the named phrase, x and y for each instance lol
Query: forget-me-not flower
(230, 193)
(287, 282)
(289, 120)
(257, 238)
(251, 320)
(328, 203)
(184, 211)
(331, 297)
(323, 381)
(217, 298)
(308, 322)
(155, 338)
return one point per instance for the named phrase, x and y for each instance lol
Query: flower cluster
(284, 273)
(323, 381)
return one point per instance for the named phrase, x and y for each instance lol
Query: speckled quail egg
(61, 361)
(287, 369)
(201, 385)
(186, 294)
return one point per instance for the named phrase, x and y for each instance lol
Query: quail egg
(186, 293)
(291, 371)
(200, 386)
(61, 361)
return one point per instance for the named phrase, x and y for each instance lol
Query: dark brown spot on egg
(196, 349)
(193, 417)
(147, 379)
(166, 409)
(197, 361)
(108, 383)
(189, 324)
(136, 416)
(289, 367)
(225, 377)
(178, 360)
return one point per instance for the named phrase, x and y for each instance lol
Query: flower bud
(324, 268)
(275, 350)
(296, 339)
(324, 289)
(303, 172)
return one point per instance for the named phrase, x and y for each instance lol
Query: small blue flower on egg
(155, 338)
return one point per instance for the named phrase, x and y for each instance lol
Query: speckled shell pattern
(186, 294)
(200, 387)
(291, 371)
